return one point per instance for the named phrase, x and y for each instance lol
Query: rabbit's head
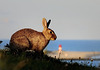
(48, 33)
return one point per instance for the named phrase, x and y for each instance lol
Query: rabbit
(29, 39)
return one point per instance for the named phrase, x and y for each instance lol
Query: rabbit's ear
(44, 23)
(48, 23)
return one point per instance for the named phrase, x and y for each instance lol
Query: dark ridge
(1, 42)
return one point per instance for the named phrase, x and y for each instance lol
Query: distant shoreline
(74, 55)
(80, 59)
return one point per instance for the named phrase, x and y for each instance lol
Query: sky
(70, 19)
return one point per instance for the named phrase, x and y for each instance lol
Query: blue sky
(71, 19)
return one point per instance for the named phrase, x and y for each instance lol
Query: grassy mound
(34, 61)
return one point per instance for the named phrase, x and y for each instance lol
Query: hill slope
(34, 61)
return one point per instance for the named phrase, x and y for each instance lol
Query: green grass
(34, 61)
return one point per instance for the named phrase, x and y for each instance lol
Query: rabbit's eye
(51, 32)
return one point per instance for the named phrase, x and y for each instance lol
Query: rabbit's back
(23, 32)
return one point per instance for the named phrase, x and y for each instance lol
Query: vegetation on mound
(34, 61)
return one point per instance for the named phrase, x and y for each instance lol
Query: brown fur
(33, 40)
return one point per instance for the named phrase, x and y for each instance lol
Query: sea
(72, 45)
